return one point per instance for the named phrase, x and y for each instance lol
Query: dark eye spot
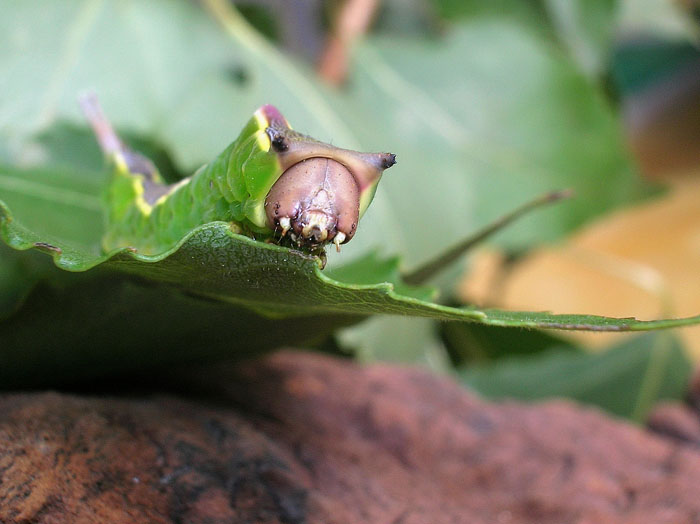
(279, 144)
(278, 141)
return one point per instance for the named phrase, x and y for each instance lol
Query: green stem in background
(431, 268)
(653, 377)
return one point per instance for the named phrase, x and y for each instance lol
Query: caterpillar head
(323, 190)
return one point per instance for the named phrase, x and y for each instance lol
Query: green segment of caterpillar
(271, 183)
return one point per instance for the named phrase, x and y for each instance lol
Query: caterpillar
(272, 183)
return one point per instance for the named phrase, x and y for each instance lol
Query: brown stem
(352, 21)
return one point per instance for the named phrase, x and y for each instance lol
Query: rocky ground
(301, 438)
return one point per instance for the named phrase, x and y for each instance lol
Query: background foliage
(485, 104)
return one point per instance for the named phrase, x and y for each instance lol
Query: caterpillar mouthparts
(317, 201)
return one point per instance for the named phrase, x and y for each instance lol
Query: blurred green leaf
(397, 339)
(479, 344)
(407, 17)
(100, 324)
(586, 28)
(643, 65)
(19, 273)
(626, 379)
(60, 203)
(493, 117)
(162, 69)
(664, 19)
(529, 12)
(69, 146)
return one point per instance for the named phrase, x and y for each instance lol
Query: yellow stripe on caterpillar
(263, 140)
(141, 203)
(261, 136)
(174, 187)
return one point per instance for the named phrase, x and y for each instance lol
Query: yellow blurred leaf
(642, 262)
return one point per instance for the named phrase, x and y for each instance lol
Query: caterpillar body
(271, 183)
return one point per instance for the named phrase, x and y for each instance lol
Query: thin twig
(433, 267)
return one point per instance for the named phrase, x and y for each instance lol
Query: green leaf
(492, 116)
(546, 320)
(586, 28)
(657, 18)
(19, 273)
(163, 69)
(54, 203)
(213, 261)
(471, 343)
(397, 339)
(626, 379)
(74, 147)
(99, 324)
(529, 12)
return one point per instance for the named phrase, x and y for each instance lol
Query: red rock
(300, 438)
(676, 421)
